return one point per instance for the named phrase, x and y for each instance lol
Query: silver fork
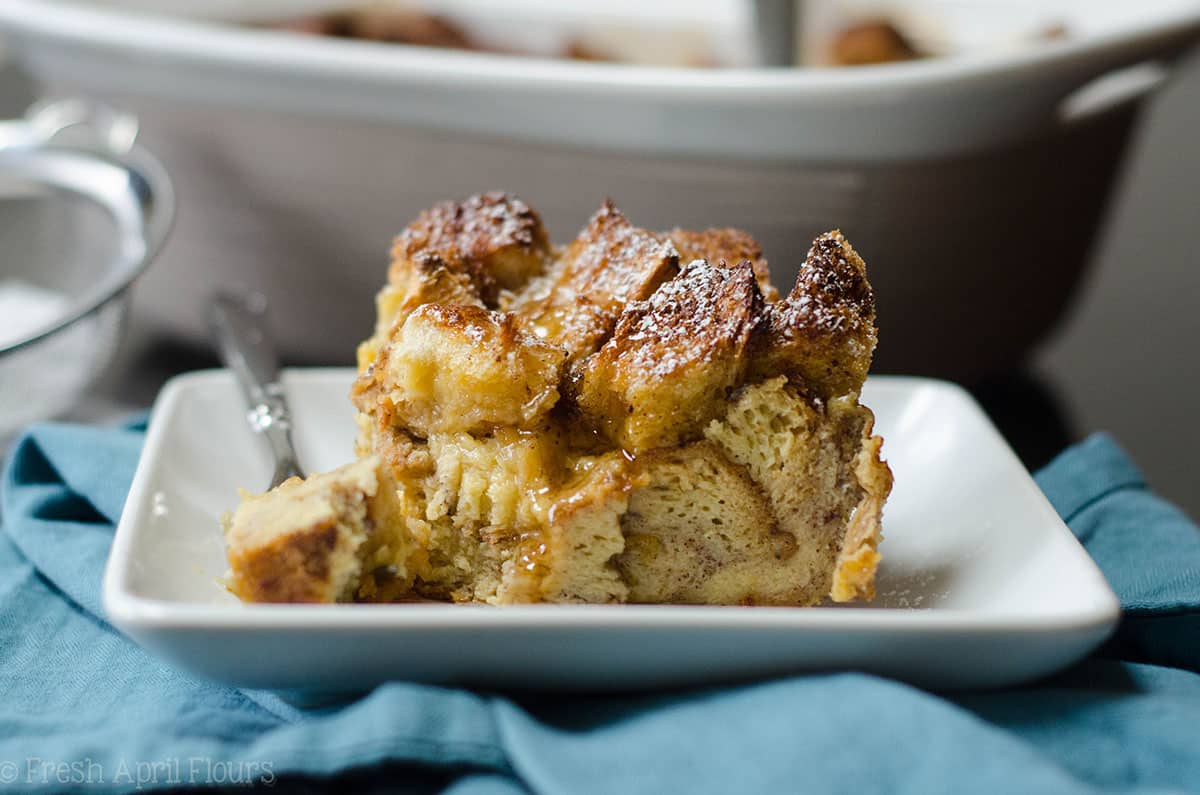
(237, 323)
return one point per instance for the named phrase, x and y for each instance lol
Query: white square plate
(981, 583)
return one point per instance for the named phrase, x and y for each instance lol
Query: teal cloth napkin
(83, 708)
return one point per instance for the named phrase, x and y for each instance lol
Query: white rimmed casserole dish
(973, 184)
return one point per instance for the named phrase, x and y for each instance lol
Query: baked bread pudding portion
(633, 417)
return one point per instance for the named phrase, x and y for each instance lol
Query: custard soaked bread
(634, 417)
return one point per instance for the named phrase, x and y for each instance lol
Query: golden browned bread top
(495, 239)
(674, 358)
(704, 313)
(641, 352)
(583, 294)
(823, 334)
(723, 247)
(466, 369)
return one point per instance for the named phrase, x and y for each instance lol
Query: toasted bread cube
(673, 359)
(494, 239)
(724, 247)
(426, 280)
(610, 264)
(451, 369)
(823, 334)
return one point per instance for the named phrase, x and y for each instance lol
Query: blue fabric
(83, 708)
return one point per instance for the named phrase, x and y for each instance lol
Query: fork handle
(237, 325)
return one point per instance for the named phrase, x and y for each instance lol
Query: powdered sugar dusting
(481, 224)
(609, 265)
(691, 318)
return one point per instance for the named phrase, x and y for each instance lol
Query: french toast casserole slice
(634, 417)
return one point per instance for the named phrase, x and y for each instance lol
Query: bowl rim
(151, 190)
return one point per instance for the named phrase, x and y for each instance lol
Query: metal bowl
(83, 211)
